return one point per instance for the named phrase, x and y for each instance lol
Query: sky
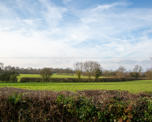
(58, 33)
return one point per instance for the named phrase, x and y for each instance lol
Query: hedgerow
(77, 80)
(17, 105)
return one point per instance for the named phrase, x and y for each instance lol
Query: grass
(132, 86)
(53, 76)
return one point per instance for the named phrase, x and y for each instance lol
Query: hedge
(77, 80)
(42, 106)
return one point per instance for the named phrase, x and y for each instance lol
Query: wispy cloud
(43, 29)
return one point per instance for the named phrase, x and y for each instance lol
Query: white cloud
(52, 14)
(104, 31)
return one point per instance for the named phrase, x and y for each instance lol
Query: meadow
(131, 86)
(52, 76)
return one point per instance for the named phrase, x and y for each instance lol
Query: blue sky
(35, 33)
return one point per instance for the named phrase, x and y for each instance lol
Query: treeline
(136, 72)
(31, 70)
(91, 69)
(94, 69)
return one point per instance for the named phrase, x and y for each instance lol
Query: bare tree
(90, 67)
(78, 69)
(148, 74)
(137, 71)
(120, 72)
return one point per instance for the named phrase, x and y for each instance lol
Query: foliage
(15, 98)
(97, 73)
(9, 76)
(85, 106)
(81, 107)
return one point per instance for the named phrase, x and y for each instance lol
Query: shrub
(77, 80)
(81, 107)
(9, 76)
(84, 106)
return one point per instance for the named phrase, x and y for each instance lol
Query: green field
(53, 76)
(132, 86)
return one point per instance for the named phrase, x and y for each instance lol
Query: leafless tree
(90, 67)
(137, 68)
(148, 74)
(136, 71)
(78, 69)
(120, 72)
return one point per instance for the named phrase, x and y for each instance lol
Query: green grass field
(132, 86)
(53, 76)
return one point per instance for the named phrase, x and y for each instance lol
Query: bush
(9, 76)
(81, 108)
(85, 106)
(46, 106)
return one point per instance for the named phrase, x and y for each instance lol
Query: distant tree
(136, 71)
(108, 73)
(120, 72)
(9, 76)
(13, 76)
(78, 69)
(90, 67)
(148, 74)
(45, 73)
(97, 73)
(137, 68)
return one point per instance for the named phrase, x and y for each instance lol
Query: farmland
(131, 86)
(53, 76)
